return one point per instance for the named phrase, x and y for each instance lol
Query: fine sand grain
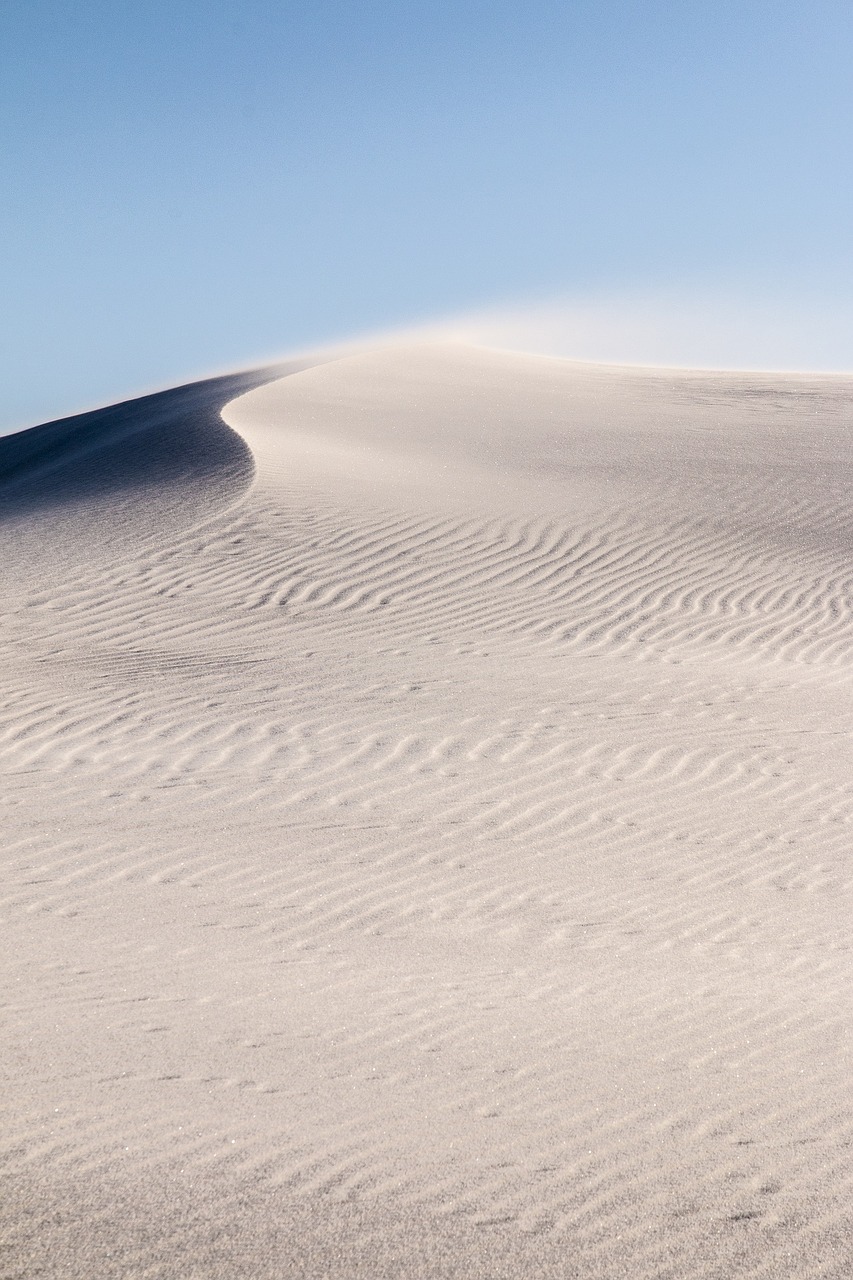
(426, 818)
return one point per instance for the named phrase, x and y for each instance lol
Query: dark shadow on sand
(135, 474)
(172, 439)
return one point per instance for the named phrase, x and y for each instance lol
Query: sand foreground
(426, 820)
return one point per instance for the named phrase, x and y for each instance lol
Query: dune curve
(149, 466)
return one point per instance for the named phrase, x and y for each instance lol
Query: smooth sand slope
(426, 826)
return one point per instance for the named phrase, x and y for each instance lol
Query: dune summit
(426, 814)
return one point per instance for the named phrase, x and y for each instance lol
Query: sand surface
(426, 817)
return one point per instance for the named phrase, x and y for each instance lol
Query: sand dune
(425, 807)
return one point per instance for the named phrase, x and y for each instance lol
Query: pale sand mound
(426, 830)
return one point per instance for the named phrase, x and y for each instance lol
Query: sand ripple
(425, 827)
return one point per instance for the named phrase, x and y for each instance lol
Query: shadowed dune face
(142, 469)
(432, 858)
(173, 437)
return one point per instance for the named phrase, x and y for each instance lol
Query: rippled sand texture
(426, 827)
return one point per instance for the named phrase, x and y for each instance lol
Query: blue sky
(195, 186)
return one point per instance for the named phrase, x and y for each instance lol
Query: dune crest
(427, 826)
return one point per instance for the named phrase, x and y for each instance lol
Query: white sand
(426, 823)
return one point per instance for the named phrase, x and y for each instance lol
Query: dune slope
(426, 820)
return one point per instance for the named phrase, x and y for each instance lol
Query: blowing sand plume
(425, 812)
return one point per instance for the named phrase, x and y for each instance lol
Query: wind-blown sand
(426, 826)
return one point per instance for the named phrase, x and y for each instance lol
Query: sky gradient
(204, 186)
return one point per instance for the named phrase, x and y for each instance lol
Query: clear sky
(202, 184)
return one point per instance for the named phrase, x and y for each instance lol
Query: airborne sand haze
(426, 820)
